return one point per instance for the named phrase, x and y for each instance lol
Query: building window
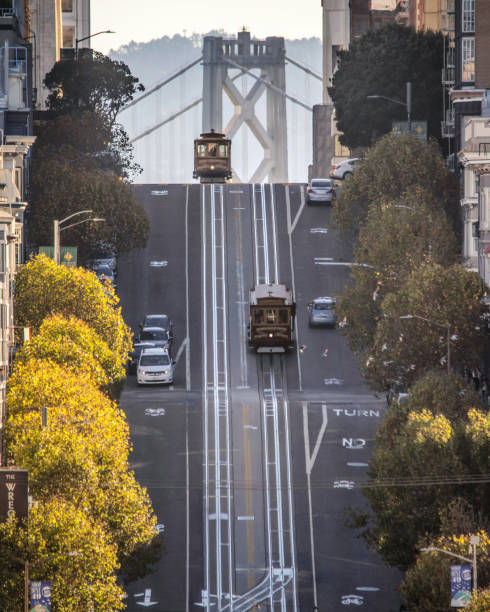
(468, 24)
(468, 59)
(67, 6)
(68, 37)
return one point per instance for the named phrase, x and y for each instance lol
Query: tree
(480, 602)
(81, 456)
(87, 140)
(60, 188)
(421, 452)
(380, 63)
(92, 83)
(395, 240)
(394, 168)
(403, 349)
(44, 288)
(71, 343)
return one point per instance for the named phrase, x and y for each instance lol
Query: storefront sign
(13, 493)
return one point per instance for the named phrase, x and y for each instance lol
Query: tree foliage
(71, 343)
(380, 63)
(93, 83)
(60, 188)
(403, 349)
(81, 457)
(420, 448)
(393, 169)
(44, 288)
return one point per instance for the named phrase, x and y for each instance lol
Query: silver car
(345, 169)
(320, 190)
(321, 312)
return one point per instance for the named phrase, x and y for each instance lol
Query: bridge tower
(246, 54)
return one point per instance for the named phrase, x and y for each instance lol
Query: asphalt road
(250, 462)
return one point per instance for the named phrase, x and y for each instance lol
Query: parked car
(155, 367)
(320, 190)
(345, 169)
(321, 312)
(159, 320)
(105, 273)
(156, 335)
(110, 262)
(134, 356)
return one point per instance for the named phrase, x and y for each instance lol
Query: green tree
(44, 288)
(395, 240)
(93, 83)
(421, 452)
(405, 348)
(71, 343)
(380, 63)
(397, 167)
(59, 189)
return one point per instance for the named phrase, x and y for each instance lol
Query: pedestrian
(476, 379)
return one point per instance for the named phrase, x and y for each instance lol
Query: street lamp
(447, 327)
(57, 229)
(407, 104)
(474, 541)
(79, 40)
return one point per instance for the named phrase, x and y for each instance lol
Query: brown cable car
(212, 158)
(271, 324)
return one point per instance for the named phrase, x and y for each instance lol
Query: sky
(144, 20)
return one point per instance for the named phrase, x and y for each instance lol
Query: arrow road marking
(147, 600)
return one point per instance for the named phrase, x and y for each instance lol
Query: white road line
(188, 348)
(264, 226)
(187, 509)
(274, 234)
(298, 214)
(293, 286)
(181, 349)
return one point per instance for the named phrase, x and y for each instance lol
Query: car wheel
(347, 175)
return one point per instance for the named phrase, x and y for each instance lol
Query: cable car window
(212, 150)
(259, 316)
(222, 150)
(271, 316)
(283, 316)
(201, 150)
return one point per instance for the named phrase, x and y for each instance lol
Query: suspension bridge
(244, 84)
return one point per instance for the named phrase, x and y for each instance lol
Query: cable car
(212, 158)
(271, 323)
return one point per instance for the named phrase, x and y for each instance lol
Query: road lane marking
(181, 349)
(298, 214)
(188, 349)
(245, 518)
(355, 464)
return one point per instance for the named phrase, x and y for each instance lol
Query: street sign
(40, 596)
(68, 255)
(419, 128)
(460, 586)
(13, 493)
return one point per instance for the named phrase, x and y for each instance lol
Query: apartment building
(15, 142)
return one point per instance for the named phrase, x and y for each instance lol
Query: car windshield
(104, 270)
(154, 360)
(157, 321)
(325, 183)
(323, 306)
(157, 334)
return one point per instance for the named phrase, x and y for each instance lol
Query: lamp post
(447, 327)
(79, 40)
(407, 103)
(58, 229)
(474, 541)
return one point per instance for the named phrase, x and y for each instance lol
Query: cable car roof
(271, 291)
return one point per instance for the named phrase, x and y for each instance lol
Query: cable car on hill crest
(212, 158)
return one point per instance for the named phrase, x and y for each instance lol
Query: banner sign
(460, 586)
(419, 128)
(13, 493)
(68, 255)
(40, 596)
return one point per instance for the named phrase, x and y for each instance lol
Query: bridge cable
(305, 68)
(162, 84)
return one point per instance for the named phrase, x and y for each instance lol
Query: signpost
(419, 129)
(460, 586)
(68, 255)
(13, 493)
(40, 596)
